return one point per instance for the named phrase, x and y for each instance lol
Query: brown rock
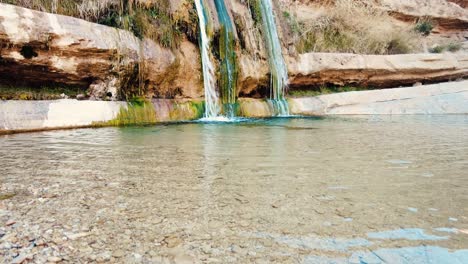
(40, 48)
(172, 241)
(184, 78)
(77, 236)
(446, 15)
(54, 259)
(315, 69)
(10, 223)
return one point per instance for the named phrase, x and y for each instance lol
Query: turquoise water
(308, 190)
(278, 68)
(228, 66)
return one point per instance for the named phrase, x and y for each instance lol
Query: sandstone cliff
(315, 69)
(40, 48)
(446, 15)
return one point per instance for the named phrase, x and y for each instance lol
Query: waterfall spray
(212, 107)
(228, 67)
(278, 69)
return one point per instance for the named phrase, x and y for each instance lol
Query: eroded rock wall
(311, 70)
(377, 71)
(252, 57)
(443, 98)
(446, 14)
(23, 116)
(39, 48)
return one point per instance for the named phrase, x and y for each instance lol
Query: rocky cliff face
(44, 49)
(448, 16)
(40, 48)
(378, 71)
(462, 3)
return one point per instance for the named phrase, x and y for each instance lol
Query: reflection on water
(312, 190)
(405, 233)
(410, 255)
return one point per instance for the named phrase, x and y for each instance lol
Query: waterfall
(212, 107)
(228, 67)
(278, 69)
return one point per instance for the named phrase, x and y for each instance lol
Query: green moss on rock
(139, 111)
(190, 110)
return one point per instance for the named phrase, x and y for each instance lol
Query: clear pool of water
(292, 190)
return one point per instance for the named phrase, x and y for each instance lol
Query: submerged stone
(405, 234)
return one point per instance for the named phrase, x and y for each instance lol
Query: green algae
(198, 107)
(228, 61)
(190, 110)
(139, 111)
(324, 89)
(255, 11)
(228, 72)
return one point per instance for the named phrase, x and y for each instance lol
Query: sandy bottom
(338, 190)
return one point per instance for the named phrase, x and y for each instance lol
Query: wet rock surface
(199, 193)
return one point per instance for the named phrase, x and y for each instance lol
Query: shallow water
(332, 190)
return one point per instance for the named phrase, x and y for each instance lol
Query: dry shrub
(92, 10)
(151, 19)
(354, 27)
(89, 10)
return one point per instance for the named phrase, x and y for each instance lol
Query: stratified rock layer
(445, 98)
(45, 49)
(315, 69)
(42, 49)
(446, 15)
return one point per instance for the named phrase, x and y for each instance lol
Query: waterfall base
(21, 116)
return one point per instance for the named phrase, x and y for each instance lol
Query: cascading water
(228, 69)
(212, 107)
(278, 69)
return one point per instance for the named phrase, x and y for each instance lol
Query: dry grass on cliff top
(354, 27)
(151, 19)
(90, 10)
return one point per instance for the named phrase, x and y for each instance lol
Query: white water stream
(212, 106)
(278, 68)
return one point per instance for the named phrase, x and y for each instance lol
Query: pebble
(76, 236)
(244, 223)
(172, 241)
(10, 223)
(183, 259)
(105, 256)
(54, 259)
(21, 258)
(235, 249)
(118, 253)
